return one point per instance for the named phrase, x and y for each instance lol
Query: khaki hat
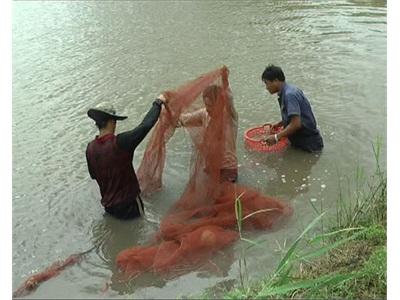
(104, 110)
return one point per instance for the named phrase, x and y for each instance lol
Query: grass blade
(238, 213)
(303, 284)
(292, 248)
(330, 234)
(259, 211)
(323, 250)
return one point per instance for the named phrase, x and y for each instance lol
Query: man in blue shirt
(298, 119)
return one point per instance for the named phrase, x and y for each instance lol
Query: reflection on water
(68, 56)
(111, 237)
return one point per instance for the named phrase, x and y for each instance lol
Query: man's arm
(277, 125)
(88, 165)
(193, 119)
(294, 113)
(293, 126)
(129, 140)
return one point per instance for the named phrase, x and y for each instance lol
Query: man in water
(298, 119)
(109, 159)
(202, 117)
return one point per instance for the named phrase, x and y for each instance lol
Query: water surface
(68, 56)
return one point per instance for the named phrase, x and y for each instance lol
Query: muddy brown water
(67, 56)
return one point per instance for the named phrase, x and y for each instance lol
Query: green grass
(364, 259)
(284, 282)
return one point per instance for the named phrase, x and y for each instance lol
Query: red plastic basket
(254, 139)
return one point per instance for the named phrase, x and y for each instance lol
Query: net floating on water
(254, 139)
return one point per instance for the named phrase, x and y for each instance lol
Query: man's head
(210, 96)
(273, 78)
(104, 115)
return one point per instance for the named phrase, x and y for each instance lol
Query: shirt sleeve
(129, 140)
(193, 119)
(88, 165)
(292, 105)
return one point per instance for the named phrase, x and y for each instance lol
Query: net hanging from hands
(202, 221)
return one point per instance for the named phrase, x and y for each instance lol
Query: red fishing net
(203, 219)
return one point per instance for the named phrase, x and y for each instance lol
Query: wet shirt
(201, 118)
(109, 160)
(293, 102)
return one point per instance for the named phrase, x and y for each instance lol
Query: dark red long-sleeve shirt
(109, 160)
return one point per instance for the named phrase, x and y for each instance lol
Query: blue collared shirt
(293, 102)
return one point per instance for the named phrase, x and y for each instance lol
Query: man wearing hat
(109, 159)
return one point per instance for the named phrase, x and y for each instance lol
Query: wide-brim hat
(103, 111)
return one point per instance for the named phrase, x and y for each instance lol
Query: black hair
(272, 72)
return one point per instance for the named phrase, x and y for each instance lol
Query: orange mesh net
(203, 219)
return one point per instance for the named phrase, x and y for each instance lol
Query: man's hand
(270, 140)
(276, 125)
(162, 98)
(179, 124)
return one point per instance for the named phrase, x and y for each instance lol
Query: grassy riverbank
(346, 260)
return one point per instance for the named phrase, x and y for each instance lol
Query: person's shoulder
(90, 143)
(292, 91)
(291, 88)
